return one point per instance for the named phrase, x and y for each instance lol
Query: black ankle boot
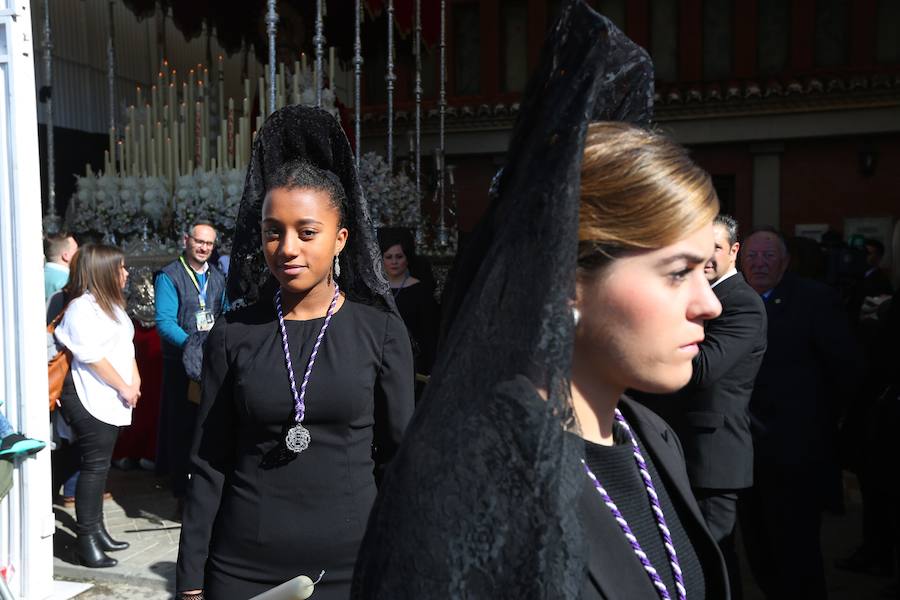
(90, 552)
(108, 543)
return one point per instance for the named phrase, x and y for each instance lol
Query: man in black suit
(808, 373)
(711, 414)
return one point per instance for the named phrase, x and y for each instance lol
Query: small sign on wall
(876, 228)
(813, 231)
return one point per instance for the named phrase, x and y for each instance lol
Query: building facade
(793, 106)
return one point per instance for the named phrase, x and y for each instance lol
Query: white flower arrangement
(392, 198)
(155, 201)
(145, 209)
(113, 204)
(209, 196)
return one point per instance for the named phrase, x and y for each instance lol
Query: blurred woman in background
(414, 295)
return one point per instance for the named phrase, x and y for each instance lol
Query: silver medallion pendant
(297, 438)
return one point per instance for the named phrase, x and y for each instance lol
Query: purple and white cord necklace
(657, 512)
(297, 438)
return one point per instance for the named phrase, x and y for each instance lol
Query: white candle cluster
(171, 132)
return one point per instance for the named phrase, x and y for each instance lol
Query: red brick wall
(821, 181)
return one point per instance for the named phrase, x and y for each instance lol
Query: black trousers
(96, 441)
(780, 520)
(719, 509)
(177, 419)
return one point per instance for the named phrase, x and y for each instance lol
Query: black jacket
(808, 376)
(711, 414)
(614, 573)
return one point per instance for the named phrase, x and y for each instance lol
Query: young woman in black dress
(295, 382)
(527, 472)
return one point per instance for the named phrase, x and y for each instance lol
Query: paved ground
(141, 512)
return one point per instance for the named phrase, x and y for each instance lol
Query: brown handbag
(58, 367)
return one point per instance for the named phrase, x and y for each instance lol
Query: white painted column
(26, 516)
(767, 184)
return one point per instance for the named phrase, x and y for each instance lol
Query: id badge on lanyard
(205, 320)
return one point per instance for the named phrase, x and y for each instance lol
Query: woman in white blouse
(100, 335)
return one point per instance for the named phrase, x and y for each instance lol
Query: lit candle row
(172, 136)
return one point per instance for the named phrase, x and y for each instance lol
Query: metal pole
(271, 23)
(442, 228)
(357, 75)
(51, 219)
(389, 78)
(417, 50)
(111, 69)
(319, 41)
(161, 14)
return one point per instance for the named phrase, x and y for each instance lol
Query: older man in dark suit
(711, 414)
(810, 367)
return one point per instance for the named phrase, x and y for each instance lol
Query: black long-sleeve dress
(421, 313)
(247, 526)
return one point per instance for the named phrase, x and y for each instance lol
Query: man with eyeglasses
(190, 295)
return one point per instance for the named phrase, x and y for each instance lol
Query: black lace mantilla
(480, 500)
(310, 134)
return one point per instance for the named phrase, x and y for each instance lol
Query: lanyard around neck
(201, 291)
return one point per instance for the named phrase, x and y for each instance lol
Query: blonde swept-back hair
(639, 191)
(95, 269)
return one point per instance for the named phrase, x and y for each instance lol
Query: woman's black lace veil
(479, 501)
(314, 136)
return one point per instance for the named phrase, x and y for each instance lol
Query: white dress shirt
(91, 336)
(729, 273)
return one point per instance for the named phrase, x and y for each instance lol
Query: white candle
(154, 102)
(112, 143)
(176, 139)
(262, 97)
(219, 151)
(152, 153)
(298, 588)
(148, 126)
(240, 144)
(170, 163)
(181, 132)
(142, 152)
(158, 150)
(128, 149)
(221, 89)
